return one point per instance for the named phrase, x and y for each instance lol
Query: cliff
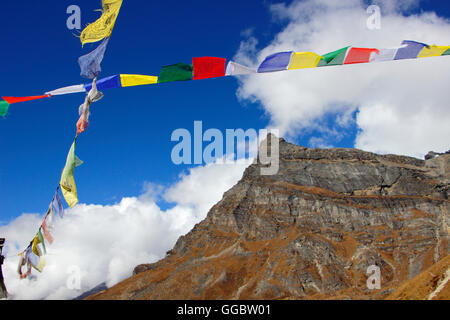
(309, 232)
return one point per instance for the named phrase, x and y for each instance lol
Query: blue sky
(128, 141)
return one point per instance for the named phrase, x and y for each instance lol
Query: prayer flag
(111, 82)
(360, 55)
(12, 100)
(34, 255)
(66, 90)
(384, 55)
(301, 60)
(276, 62)
(130, 80)
(433, 51)
(90, 64)
(57, 204)
(335, 58)
(104, 26)
(67, 183)
(4, 107)
(47, 234)
(409, 50)
(234, 69)
(34, 246)
(83, 122)
(208, 67)
(41, 240)
(176, 72)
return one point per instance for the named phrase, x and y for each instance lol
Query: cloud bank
(398, 107)
(105, 243)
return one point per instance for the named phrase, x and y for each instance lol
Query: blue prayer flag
(90, 64)
(410, 51)
(105, 83)
(57, 204)
(276, 62)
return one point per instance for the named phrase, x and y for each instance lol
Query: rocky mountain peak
(312, 230)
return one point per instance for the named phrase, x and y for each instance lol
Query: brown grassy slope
(434, 284)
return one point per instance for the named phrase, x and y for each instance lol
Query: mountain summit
(312, 231)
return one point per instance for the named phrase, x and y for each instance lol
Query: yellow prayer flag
(129, 80)
(41, 265)
(68, 187)
(37, 251)
(69, 191)
(301, 60)
(104, 26)
(433, 51)
(34, 246)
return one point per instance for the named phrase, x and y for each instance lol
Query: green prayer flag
(446, 53)
(67, 183)
(41, 239)
(4, 107)
(335, 58)
(176, 72)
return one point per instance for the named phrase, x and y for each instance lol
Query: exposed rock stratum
(311, 232)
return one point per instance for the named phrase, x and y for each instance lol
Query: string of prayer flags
(90, 66)
(33, 256)
(112, 82)
(211, 67)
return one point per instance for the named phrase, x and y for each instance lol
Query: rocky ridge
(309, 232)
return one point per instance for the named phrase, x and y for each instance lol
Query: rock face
(309, 232)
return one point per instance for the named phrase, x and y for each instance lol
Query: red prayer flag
(82, 123)
(47, 234)
(12, 100)
(359, 55)
(208, 67)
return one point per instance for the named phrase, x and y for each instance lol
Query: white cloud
(402, 105)
(106, 242)
(204, 186)
(316, 142)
